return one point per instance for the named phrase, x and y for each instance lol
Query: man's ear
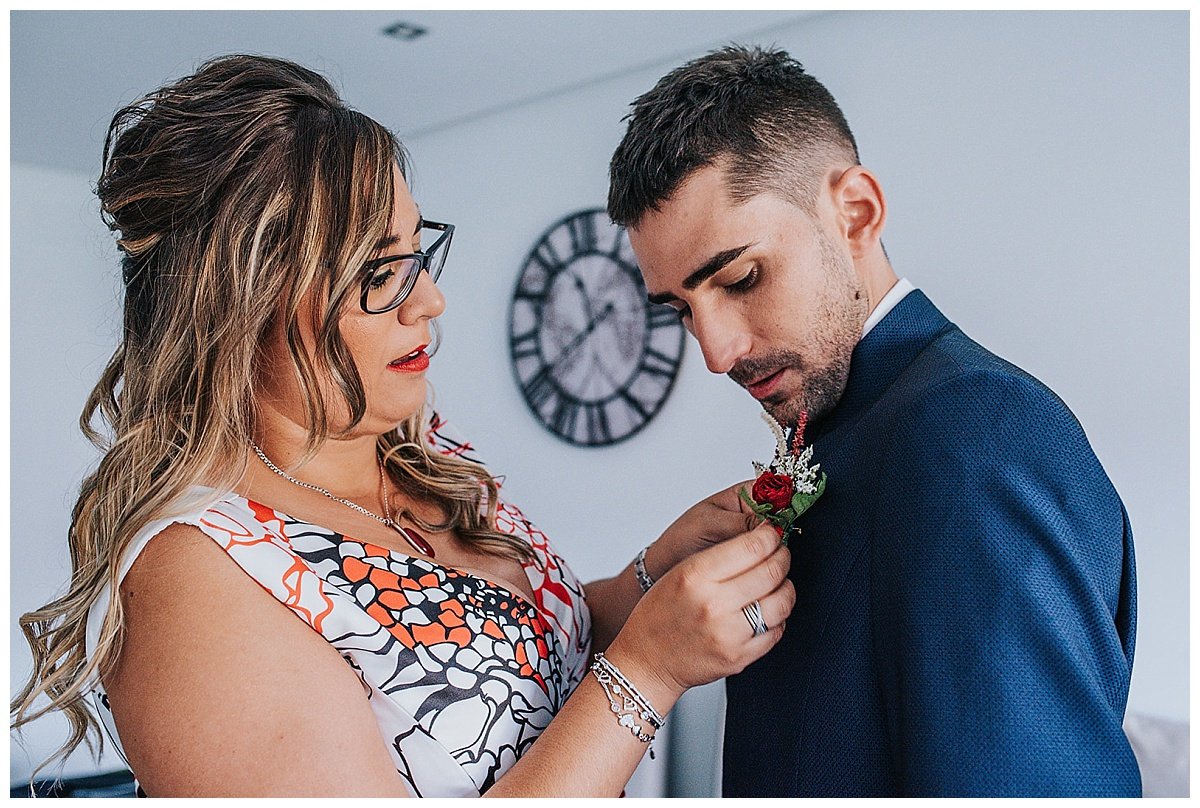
(862, 210)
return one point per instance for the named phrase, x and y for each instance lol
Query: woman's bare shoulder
(220, 690)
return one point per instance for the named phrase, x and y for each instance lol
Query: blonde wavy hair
(237, 193)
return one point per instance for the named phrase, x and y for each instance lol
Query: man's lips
(766, 385)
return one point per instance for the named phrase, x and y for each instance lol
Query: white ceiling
(70, 70)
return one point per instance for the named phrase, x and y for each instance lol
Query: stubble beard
(819, 394)
(842, 313)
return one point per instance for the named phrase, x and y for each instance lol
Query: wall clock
(594, 359)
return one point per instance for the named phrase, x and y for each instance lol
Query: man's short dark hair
(755, 111)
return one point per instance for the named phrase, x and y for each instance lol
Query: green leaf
(802, 502)
(761, 510)
(746, 498)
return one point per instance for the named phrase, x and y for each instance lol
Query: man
(965, 614)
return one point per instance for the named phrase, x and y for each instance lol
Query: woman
(267, 407)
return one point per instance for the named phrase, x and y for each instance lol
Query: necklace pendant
(414, 539)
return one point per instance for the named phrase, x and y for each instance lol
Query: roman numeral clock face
(594, 359)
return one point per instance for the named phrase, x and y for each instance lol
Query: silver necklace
(414, 539)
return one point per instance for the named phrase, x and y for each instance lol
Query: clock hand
(551, 368)
(582, 335)
(587, 302)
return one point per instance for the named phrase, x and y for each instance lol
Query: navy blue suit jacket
(965, 614)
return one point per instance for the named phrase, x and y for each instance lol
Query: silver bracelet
(626, 702)
(639, 569)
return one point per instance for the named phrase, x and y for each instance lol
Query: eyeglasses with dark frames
(388, 281)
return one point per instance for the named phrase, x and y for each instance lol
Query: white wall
(65, 323)
(1036, 169)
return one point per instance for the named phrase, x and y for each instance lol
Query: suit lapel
(880, 358)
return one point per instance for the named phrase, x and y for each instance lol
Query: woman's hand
(689, 629)
(710, 521)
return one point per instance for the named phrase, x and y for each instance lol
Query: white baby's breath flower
(788, 462)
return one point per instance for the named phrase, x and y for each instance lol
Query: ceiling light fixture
(405, 31)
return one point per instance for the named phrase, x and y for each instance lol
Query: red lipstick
(414, 362)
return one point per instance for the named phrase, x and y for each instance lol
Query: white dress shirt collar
(901, 288)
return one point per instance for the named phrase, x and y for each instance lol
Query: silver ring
(754, 616)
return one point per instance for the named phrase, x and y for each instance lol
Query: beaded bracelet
(626, 702)
(639, 569)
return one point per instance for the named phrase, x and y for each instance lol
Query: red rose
(774, 489)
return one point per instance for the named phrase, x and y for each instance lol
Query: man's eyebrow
(710, 267)
(391, 240)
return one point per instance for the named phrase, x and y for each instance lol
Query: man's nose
(723, 340)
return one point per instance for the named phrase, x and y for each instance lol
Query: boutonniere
(788, 486)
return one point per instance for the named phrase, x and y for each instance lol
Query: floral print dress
(461, 673)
